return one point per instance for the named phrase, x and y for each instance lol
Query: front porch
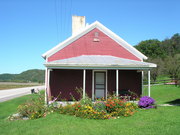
(97, 75)
(95, 83)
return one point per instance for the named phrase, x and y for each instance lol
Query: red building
(96, 60)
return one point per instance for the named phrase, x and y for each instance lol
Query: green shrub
(33, 108)
(118, 107)
(112, 104)
(99, 106)
(110, 108)
(86, 111)
(86, 101)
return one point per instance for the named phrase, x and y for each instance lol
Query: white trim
(121, 42)
(142, 85)
(93, 92)
(93, 85)
(117, 82)
(102, 28)
(106, 83)
(84, 84)
(149, 83)
(46, 73)
(100, 68)
(48, 83)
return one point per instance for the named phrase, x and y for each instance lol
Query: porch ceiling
(98, 62)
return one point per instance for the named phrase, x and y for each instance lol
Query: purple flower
(146, 102)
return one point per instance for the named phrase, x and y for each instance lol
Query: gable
(93, 44)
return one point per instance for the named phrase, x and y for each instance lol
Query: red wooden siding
(85, 45)
(111, 81)
(128, 80)
(66, 81)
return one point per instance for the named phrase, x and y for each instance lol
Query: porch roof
(98, 62)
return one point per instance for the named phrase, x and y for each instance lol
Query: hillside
(165, 53)
(34, 75)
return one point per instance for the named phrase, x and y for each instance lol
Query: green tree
(151, 48)
(172, 66)
(171, 46)
(155, 72)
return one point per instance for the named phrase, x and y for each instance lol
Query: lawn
(161, 121)
(164, 94)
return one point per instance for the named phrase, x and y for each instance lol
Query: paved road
(13, 93)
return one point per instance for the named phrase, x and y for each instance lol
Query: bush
(86, 101)
(118, 107)
(99, 106)
(111, 108)
(85, 108)
(86, 111)
(113, 103)
(146, 102)
(33, 109)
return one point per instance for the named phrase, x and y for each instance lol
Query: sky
(29, 28)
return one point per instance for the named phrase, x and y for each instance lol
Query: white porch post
(84, 83)
(93, 85)
(142, 80)
(47, 92)
(117, 82)
(46, 86)
(149, 81)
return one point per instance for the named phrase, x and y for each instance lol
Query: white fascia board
(69, 40)
(153, 65)
(100, 66)
(121, 42)
(102, 28)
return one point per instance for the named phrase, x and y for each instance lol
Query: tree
(151, 48)
(172, 65)
(155, 72)
(171, 46)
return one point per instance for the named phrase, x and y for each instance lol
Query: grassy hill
(34, 75)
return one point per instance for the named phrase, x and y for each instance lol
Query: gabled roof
(99, 61)
(102, 28)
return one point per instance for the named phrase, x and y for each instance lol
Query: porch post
(93, 85)
(149, 89)
(84, 83)
(46, 86)
(142, 85)
(117, 84)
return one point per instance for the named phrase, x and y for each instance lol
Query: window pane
(100, 86)
(99, 93)
(100, 78)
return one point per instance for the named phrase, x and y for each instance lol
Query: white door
(100, 84)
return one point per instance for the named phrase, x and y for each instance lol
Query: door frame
(93, 83)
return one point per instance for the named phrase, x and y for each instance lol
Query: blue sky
(28, 28)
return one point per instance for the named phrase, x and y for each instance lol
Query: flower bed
(112, 108)
(85, 108)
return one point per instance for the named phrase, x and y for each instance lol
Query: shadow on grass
(174, 102)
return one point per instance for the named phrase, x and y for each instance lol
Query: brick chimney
(78, 24)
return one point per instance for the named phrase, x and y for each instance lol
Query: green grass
(164, 94)
(161, 121)
(159, 78)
